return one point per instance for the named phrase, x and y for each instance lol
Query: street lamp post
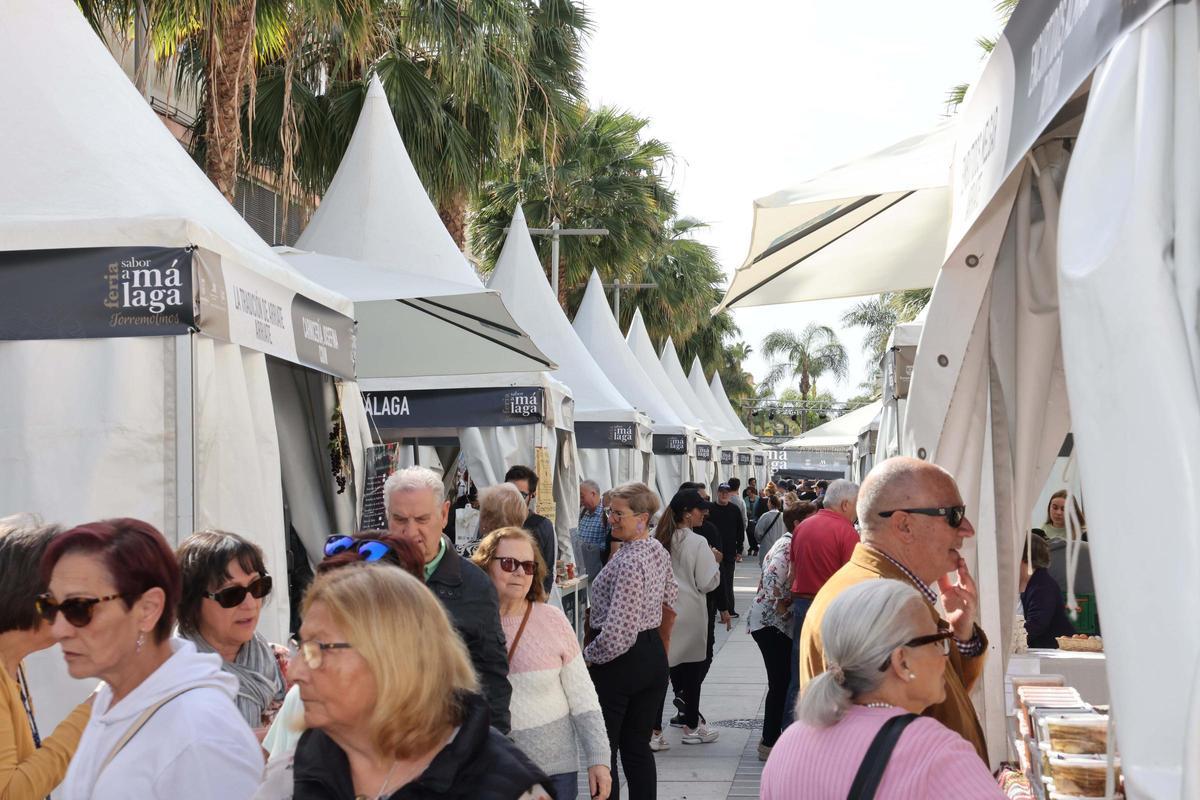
(554, 232)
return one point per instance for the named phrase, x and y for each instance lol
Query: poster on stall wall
(381, 460)
(545, 494)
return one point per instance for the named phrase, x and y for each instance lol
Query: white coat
(697, 574)
(196, 747)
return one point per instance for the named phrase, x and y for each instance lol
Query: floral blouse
(627, 597)
(776, 586)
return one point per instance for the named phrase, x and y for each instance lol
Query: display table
(575, 602)
(1087, 672)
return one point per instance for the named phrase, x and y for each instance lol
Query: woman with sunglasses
(225, 584)
(631, 599)
(164, 724)
(554, 705)
(341, 549)
(885, 664)
(391, 701)
(30, 765)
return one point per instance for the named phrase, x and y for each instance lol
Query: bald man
(913, 525)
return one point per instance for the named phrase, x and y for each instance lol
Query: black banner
(605, 435)
(743, 459)
(704, 452)
(380, 464)
(96, 293)
(456, 408)
(759, 461)
(324, 338)
(726, 456)
(669, 443)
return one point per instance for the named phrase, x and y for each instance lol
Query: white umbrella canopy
(878, 224)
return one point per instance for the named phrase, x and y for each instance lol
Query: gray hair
(590, 484)
(896, 482)
(859, 631)
(838, 492)
(413, 479)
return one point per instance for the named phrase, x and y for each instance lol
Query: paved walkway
(732, 702)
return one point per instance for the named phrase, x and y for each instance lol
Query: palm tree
(807, 355)
(880, 315)
(605, 175)
(688, 284)
(957, 94)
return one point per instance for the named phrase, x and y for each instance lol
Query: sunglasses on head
(233, 596)
(511, 564)
(367, 549)
(75, 610)
(954, 514)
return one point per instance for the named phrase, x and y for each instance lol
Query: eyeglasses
(511, 564)
(75, 610)
(954, 514)
(368, 549)
(612, 512)
(233, 596)
(313, 652)
(941, 637)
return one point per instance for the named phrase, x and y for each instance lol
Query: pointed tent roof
(639, 343)
(670, 364)
(722, 399)
(700, 387)
(519, 278)
(376, 208)
(121, 179)
(598, 331)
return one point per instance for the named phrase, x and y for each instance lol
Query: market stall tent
(612, 437)
(874, 225)
(896, 368)
(839, 433)
(762, 470)
(704, 450)
(743, 445)
(160, 361)
(673, 442)
(725, 459)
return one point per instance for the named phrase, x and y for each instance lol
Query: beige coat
(697, 574)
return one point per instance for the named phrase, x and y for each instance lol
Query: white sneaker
(658, 742)
(701, 735)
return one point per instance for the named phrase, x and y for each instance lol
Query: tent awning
(838, 433)
(874, 225)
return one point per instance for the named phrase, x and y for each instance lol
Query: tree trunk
(141, 47)
(230, 67)
(454, 216)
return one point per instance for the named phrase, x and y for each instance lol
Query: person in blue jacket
(1041, 598)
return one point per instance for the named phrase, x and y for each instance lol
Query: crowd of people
(424, 670)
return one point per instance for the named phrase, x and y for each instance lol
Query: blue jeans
(800, 607)
(566, 785)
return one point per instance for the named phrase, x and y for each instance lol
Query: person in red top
(821, 545)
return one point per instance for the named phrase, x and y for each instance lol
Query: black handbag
(870, 772)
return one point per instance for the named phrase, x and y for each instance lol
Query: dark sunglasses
(368, 549)
(954, 514)
(511, 564)
(233, 596)
(920, 641)
(75, 610)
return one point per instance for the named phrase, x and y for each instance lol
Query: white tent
(379, 241)
(115, 406)
(840, 433)
(874, 225)
(762, 470)
(598, 331)
(613, 438)
(726, 460)
(474, 375)
(739, 439)
(896, 366)
(703, 450)
(1109, 267)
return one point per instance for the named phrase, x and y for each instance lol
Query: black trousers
(752, 539)
(631, 688)
(776, 649)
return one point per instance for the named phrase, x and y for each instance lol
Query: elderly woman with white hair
(885, 660)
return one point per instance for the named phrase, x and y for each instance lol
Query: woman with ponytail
(885, 662)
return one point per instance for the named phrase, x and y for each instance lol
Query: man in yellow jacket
(913, 524)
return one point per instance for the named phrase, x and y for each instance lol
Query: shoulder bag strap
(137, 725)
(512, 648)
(870, 773)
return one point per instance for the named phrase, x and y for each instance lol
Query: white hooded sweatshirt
(195, 747)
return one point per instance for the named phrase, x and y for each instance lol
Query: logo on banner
(387, 405)
(621, 434)
(726, 456)
(704, 452)
(668, 443)
(743, 458)
(759, 461)
(523, 404)
(141, 292)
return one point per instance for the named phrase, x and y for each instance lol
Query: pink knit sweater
(929, 761)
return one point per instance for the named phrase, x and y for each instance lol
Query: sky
(758, 95)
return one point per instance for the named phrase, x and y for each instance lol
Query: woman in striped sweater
(885, 659)
(554, 706)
